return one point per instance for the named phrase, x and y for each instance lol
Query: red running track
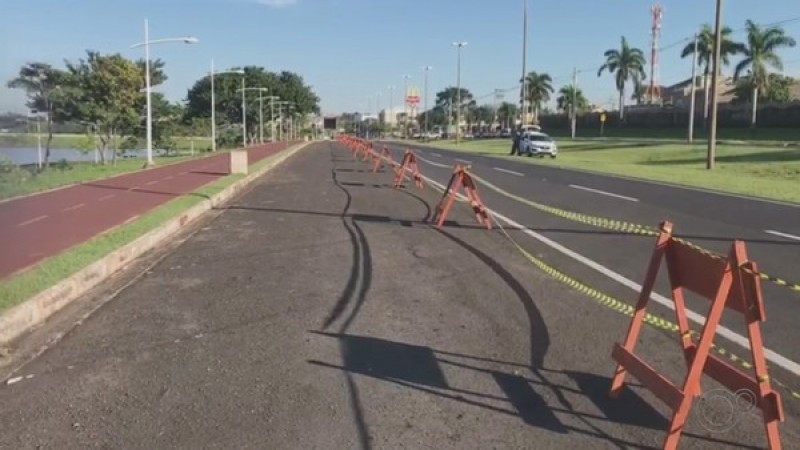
(39, 226)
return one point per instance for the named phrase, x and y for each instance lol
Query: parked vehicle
(535, 143)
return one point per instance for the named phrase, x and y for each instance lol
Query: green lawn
(775, 136)
(759, 171)
(15, 181)
(18, 289)
(78, 140)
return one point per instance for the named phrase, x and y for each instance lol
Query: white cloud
(278, 3)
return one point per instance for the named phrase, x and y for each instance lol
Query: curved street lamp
(146, 44)
(214, 103)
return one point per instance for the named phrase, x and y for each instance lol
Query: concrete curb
(31, 313)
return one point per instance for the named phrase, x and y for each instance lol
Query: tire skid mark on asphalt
(73, 207)
(32, 221)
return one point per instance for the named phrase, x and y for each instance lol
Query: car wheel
(552, 156)
(541, 156)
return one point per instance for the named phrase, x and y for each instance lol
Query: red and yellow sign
(412, 95)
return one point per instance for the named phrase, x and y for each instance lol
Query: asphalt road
(704, 218)
(319, 310)
(38, 226)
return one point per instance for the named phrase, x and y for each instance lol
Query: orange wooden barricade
(461, 179)
(409, 163)
(385, 155)
(724, 282)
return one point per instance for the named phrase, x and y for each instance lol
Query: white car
(534, 143)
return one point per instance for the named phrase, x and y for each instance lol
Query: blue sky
(349, 50)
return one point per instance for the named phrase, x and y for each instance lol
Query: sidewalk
(320, 311)
(35, 227)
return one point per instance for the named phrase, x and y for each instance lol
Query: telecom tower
(654, 91)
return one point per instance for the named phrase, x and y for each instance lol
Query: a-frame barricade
(409, 164)
(727, 282)
(384, 157)
(461, 179)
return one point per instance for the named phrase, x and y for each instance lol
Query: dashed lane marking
(34, 220)
(606, 193)
(783, 235)
(74, 207)
(500, 169)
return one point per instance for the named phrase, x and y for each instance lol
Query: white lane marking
(500, 169)
(34, 220)
(133, 188)
(465, 161)
(183, 173)
(433, 163)
(106, 197)
(783, 235)
(151, 182)
(598, 191)
(74, 207)
(436, 155)
(727, 333)
(168, 177)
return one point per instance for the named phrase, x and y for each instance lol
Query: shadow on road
(149, 191)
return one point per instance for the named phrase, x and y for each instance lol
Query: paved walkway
(320, 311)
(38, 226)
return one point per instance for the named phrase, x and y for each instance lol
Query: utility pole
(574, 100)
(694, 91)
(712, 131)
(524, 90)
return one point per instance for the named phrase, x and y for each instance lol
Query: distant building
(679, 95)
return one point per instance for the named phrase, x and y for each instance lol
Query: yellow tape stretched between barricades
(626, 227)
(601, 297)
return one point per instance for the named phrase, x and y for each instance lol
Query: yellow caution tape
(601, 297)
(626, 227)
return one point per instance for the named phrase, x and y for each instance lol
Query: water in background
(24, 156)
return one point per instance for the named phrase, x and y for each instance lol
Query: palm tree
(506, 113)
(627, 63)
(705, 54)
(539, 87)
(760, 52)
(565, 96)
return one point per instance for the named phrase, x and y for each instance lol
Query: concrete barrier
(31, 313)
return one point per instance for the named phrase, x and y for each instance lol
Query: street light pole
(149, 112)
(427, 113)
(391, 110)
(147, 94)
(260, 116)
(459, 45)
(694, 91)
(712, 131)
(523, 103)
(405, 105)
(244, 114)
(574, 100)
(212, 74)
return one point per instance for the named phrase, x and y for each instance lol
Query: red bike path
(39, 226)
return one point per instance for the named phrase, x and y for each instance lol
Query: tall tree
(507, 113)
(44, 86)
(539, 87)
(778, 90)
(705, 54)
(565, 96)
(447, 98)
(107, 93)
(627, 64)
(760, 53)
(286, 85)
